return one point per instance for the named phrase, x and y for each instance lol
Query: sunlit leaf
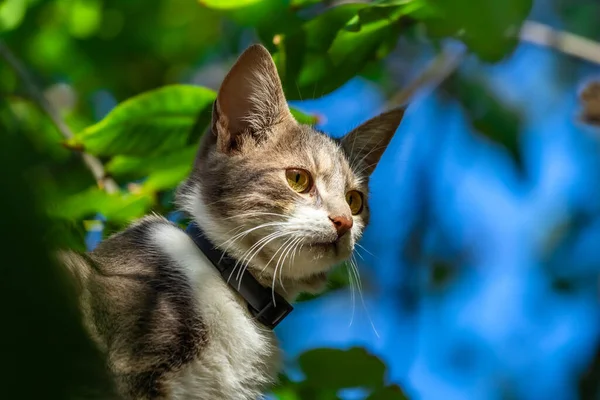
(139, 167)
(229, 4)
(155, 122)
(340, 369)
(85, 17)
(11, 14)
(120, 207)
(166, 179)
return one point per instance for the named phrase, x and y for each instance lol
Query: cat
(283, 200)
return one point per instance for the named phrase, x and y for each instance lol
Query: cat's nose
(342, 224)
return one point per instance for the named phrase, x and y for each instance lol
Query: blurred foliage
(581, 17)
(157, 60)
(329, 371)
(42, 336)
(489, 116)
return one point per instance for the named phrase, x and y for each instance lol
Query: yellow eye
(299, 180)
(355, 201)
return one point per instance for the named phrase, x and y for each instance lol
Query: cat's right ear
(250, 100)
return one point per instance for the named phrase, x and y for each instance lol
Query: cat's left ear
(366, 144)
(250, 99)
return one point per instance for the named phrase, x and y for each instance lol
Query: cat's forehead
(323, 156)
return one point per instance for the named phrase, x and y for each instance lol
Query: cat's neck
(289, 289)
(242, 265)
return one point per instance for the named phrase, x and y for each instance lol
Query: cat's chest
(240, 357)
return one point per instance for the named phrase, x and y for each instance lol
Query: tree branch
(565, 42)
(92, 163)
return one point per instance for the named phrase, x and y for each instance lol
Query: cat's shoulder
(140, 231)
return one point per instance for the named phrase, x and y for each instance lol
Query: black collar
(267, 308)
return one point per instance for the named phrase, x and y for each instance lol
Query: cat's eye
(299, 180)
(355, 201)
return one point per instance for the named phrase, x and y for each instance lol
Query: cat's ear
(250, 99)
(365, 144)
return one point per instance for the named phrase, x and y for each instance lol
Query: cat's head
(279, 196)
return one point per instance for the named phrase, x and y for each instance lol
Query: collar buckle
(273, 311)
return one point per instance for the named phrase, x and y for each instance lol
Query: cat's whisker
(266, 239)
(365, 249)
(296, 251)
(259, 245)
(243, 234)
(255, 214)
(357, 275)
(297, 248)
(352, 294)
(250, 230)
(287, 245)
(285, 254)
(281, 234)
(355, 270)
(233, 240)
(360, 255)
(275, 270)
(275, 254)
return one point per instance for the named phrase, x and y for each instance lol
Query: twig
(434, 73)
(565, 42)
(92, 163)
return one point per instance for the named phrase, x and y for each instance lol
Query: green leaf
(304, 118)
(297, 4)
(118, 207)
(139, 167)
(388, 393)
(257, 14)
(164, 171)
(339, 369)
(335, 46)
(12, 13)
(154, 122)
(166, 179)
(229, 4)
(489, 28)
(42, 135)
(144, 128)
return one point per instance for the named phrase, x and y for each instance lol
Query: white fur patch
(241, 357)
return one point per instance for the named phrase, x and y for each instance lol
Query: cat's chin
(330, 252)
(313, 284)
